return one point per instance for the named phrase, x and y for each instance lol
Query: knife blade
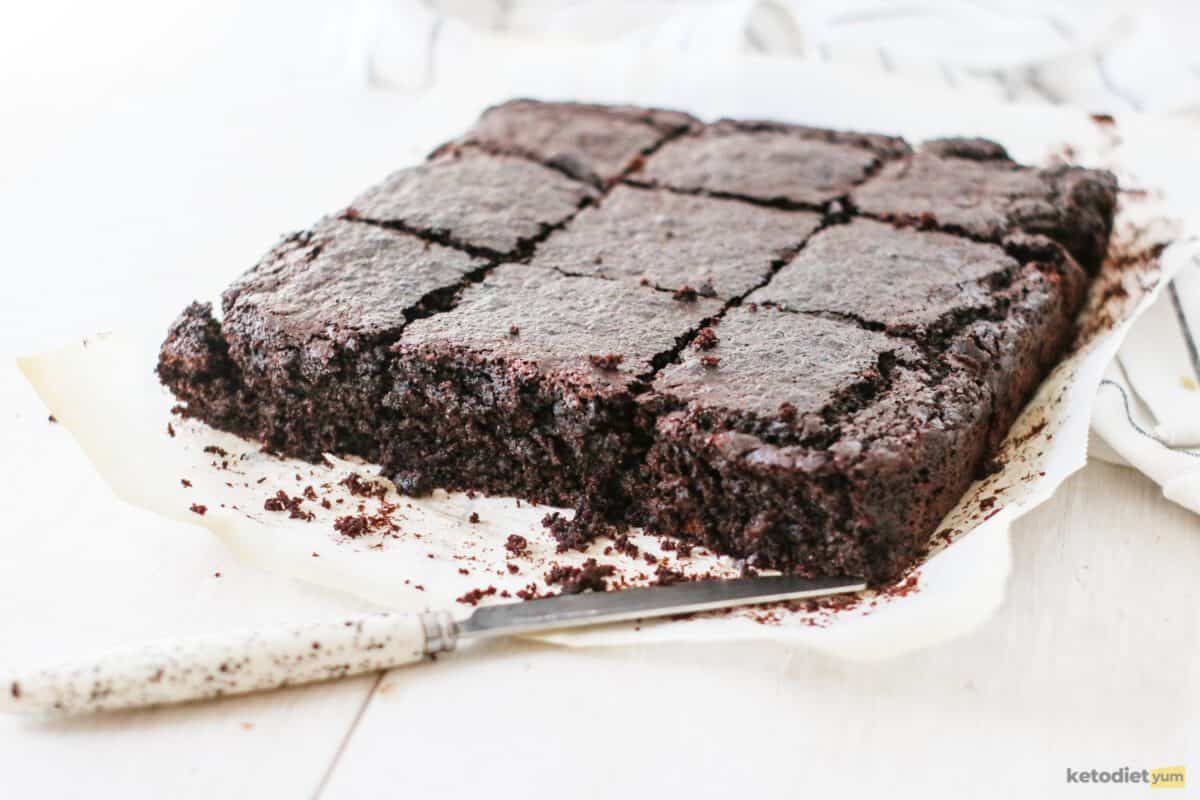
(215, 666)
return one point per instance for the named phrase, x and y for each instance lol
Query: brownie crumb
(310, 493)
(557, 524)
(685, 294)
(514, 331)
(473, 597)
(351, 527)
(530, 592)
(216, 451)
(196, 508)
(53, 420)
(473, 519)
(574, 580)
(516, 545)
(185, 483)
(513, 569)
(710, 362)
(170, 428)
(358, 487)
(609, 361)
(666, 576)
(623, 545)
(707, 339)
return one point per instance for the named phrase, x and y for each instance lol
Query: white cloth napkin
(1111, 56)
(1147, 411)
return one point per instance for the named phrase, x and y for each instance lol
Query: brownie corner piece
(902, 280)
(493, 205)
(774, 443)
(587, 141)
(297, 358)
(971, 187)
(527, 387)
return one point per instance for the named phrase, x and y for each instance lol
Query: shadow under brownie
(751, 335)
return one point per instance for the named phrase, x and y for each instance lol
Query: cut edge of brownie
(492, 409)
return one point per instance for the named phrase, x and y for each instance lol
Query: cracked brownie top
(670, 240)
(881, 276)
(593, 332)
(788, 165)
(490, 204)
(339, 280)
(587, 141)
(971, 187)
(787, 370)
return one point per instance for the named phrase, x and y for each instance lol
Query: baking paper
(450, 550)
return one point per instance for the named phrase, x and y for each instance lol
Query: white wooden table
(1094, 660)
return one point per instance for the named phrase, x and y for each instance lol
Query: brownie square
(793, 452)
(972, 187)
(496, 206)
(298, 358)
(591, 142)
(719, 247)
(889, 278)
(527, 386)
(786, 165)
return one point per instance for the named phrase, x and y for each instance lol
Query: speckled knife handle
(197, 669)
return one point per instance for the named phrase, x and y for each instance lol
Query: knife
(179, 671)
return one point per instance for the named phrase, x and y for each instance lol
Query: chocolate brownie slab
(298, 359)
(796, 346)
(787, 165)
(527, 387)
(590, 142)
(719, 247)
(493, 205)
(971, 186)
